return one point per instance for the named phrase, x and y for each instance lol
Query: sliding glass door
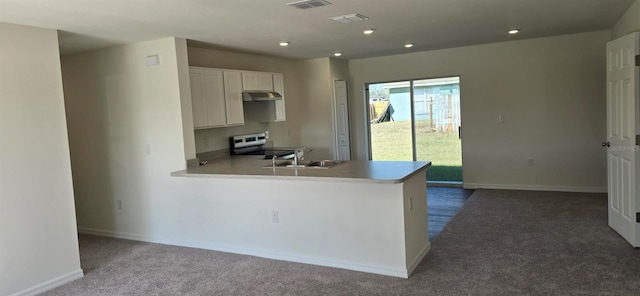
(418, 120)
(391, 127)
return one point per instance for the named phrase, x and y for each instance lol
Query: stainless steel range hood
(260, 96)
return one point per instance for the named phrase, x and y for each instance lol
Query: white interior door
(343, 146)
(623, 126)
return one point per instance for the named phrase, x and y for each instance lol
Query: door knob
(606, 144)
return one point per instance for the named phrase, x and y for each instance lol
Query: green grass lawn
(392, 141)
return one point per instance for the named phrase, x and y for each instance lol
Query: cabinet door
(249, 81)
(265, 81)
(278, 86)
(196, 78)
(233, 97)
(214, 98)
(257, 81)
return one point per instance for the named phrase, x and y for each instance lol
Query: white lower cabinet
(216, 97)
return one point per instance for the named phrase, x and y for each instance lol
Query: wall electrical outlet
(207, 143)
(530, 161)
(275, 217)
(119, 204)
(501, 118)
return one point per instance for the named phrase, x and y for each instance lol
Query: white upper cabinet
(265, 81)
(214, 94)
(196, 79)
(207, 97)
(278, 86)
(216, 97)
(257, 81)
(265, 111)
(233, 91)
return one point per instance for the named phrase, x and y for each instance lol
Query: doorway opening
(418, 120)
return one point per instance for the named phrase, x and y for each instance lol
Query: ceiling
(258, 26)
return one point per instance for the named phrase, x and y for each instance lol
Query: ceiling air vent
(306, 4)
(348, 18)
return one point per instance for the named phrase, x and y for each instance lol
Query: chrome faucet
(296, 158)
(273, 160)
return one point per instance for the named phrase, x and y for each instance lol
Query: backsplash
(218, 138)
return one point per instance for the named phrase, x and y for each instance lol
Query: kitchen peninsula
(361, 215)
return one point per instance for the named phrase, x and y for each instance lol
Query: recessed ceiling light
(284, 43)
(408, 45)
(369, 31)
(337, 54)
(514, 31)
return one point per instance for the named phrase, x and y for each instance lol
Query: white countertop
(253, 167)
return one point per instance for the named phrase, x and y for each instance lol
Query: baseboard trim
(377, 269)
(444, 184)
(121, 235)
(416, 261)
(50, 284)
(535, 187)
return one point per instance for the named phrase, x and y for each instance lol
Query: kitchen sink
(318, 164)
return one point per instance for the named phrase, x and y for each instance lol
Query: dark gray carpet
(500, 243)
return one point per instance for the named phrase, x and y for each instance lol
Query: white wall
(38, 239)
(550, 90)
(282, 134)
(126, 135)
(339, 69)
(182, 57)
(316, 91)
(629, 22)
